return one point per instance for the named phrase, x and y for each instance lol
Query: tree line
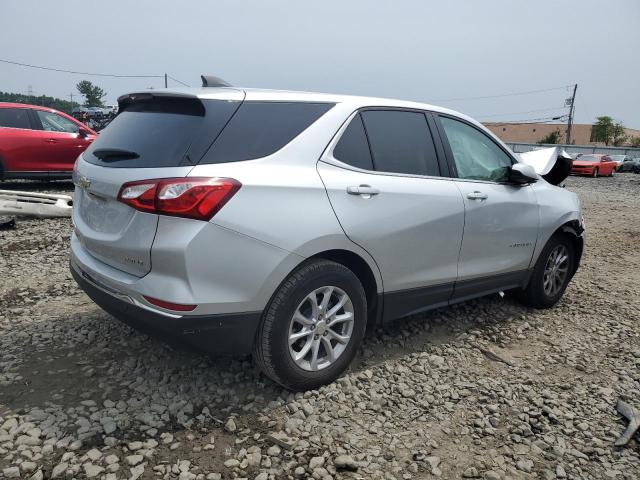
(92, 94)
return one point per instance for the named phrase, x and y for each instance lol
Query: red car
(594, 165)
(39, 142)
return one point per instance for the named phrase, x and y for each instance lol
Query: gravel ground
(83, 396)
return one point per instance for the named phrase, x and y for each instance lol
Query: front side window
(353, 148)
(401, 142)
(14, 118)
(476, 156)
(52, 122)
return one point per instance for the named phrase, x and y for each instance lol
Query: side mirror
(522, 174)
(83, 133)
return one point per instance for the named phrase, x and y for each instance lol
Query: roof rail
(212, 81)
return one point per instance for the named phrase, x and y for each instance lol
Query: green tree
(619, 137)
(602, 130)
(551, 138)
(92, 93)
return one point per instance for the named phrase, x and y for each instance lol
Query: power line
(81, 73)
(530, 120)
(513, 94)
(528, 111)
(178, 81)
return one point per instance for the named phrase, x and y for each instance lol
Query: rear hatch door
(154, 136)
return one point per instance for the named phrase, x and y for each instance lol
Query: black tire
(534, 295)
(595, 173)
(271, 348)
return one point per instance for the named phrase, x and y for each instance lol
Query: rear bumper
(224, 334)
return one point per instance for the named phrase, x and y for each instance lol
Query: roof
(266, 95)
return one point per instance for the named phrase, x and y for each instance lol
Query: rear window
(14, 118)
(259, 129)
(152, 131)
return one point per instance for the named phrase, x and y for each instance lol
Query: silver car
(284, 224)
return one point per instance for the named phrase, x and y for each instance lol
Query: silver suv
(284, 223)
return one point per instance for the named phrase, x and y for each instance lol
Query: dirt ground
(84, 396)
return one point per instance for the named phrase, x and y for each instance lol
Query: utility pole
(165, 80)
(571, 110)
(71, 101)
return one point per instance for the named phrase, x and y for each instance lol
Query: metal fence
(527, 147)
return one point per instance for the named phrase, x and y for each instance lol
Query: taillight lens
(198, 198)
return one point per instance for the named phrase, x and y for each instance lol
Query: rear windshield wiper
(111, 154)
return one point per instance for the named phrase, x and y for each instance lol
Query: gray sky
(415, 50)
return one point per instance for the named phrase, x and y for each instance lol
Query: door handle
(477, 195)
(365, 190)
(51, 140)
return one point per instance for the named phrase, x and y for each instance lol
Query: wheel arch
(361, 269)
(574, 230)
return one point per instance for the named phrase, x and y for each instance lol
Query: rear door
(388, 191)
(18, 146)
(501, 219)
(60, 140)
(153, 136)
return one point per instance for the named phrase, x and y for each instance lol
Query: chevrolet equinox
(283, 223)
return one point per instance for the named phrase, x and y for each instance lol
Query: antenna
(212, 81)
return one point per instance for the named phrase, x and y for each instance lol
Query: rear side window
(14, 118)
(353, 148)
(401, 142)
(259, 129)
(155, 131)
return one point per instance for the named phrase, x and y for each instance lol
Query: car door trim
(403, 303)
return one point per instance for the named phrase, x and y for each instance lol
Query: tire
(273, 353)
(535, 294)
(595, 173)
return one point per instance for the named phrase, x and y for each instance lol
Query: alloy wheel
(556, 271)
(320, 328)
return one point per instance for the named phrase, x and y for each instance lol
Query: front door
(383, 181)
(61, 142)
(501, 219)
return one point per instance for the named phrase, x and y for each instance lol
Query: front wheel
(551, 274)
(595, 173)
(312, 327)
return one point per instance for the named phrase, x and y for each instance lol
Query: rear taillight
(198, 198)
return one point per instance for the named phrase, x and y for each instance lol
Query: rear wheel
(312, 327)
(551, 274)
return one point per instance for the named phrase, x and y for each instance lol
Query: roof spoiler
(212, 81)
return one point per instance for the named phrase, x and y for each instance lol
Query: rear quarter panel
(283, 201)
